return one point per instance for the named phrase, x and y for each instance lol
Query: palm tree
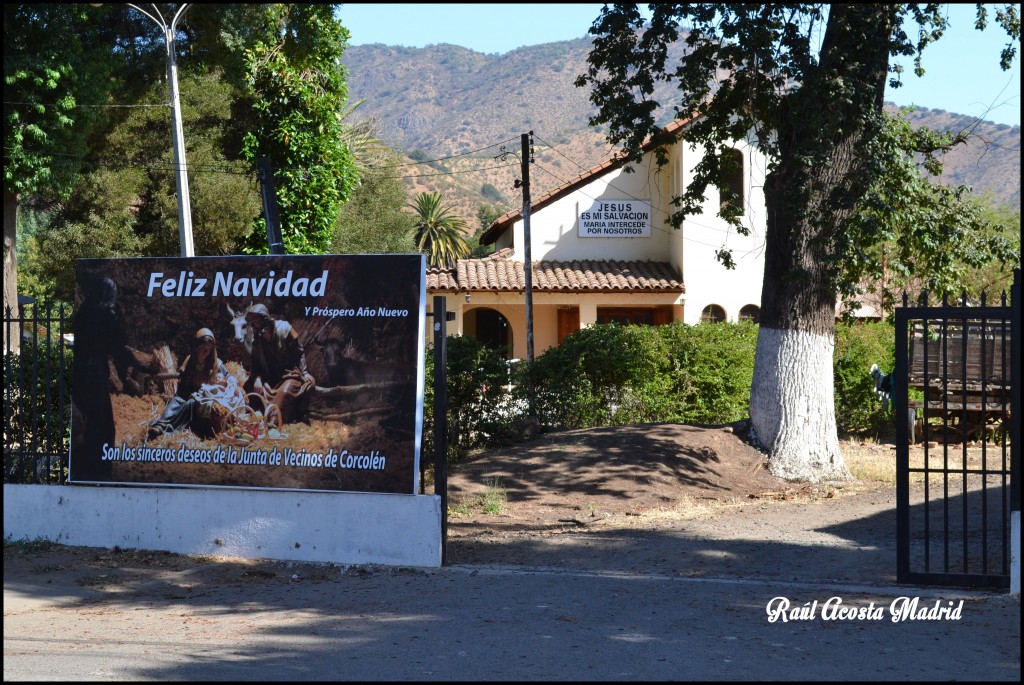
(438, 231)
(362, 138)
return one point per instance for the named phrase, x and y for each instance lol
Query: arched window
(730, 193)
(751, 313)
(490, 327)
(712, 314)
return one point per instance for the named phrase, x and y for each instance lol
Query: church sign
(616, 219)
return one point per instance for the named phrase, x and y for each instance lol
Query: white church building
(603, 250)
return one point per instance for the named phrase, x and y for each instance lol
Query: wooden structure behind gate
(957, 406)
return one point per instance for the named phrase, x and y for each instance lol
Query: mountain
(454, 112)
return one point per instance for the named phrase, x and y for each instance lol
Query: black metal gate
(957, 398)
(37, 394)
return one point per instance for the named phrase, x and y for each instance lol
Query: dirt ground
(610, 473)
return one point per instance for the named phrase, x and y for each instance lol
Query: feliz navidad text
(227, 283)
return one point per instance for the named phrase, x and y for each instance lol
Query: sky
(963, 74)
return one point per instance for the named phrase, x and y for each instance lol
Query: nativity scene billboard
(283, 372)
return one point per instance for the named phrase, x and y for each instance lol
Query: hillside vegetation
(454, 112)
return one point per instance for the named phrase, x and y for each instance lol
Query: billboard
(299, 372)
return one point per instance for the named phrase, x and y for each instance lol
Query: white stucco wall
(554, 230)
(343, 528)
(707, 281)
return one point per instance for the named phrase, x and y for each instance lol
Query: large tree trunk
(11, 268)
(792, 405)
(809, 195)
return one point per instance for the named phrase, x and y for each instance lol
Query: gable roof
(578, 276)
(505, 221)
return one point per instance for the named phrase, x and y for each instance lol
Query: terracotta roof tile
(506, 275)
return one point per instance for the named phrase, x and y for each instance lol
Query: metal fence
(957, 377)
(37, 393)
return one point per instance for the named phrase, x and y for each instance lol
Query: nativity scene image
(305, 375)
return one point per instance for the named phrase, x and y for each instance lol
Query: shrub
(480, 411)
(489, 191)
(858, 346)
(609, 374)
(714, 368)
(603, 375)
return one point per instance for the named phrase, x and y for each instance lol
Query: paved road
(589, 605)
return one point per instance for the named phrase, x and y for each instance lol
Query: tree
(922, 235)
(124, 202)
(816, 111)
(438, 232)
(492, 193)
(373, 220)
(995, 279)
(298, 85)
(362, 138)
(485, 216)
(117, 192)
(55, 73)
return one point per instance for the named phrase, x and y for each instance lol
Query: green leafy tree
(373, 220)
(485, 216)
(491, 193)
(124, 205)
(362, 138)
(910, 233)
(993, 279)
(34, 218)
(438, 232)
(299, 91)
(56, 70)
(806, 83)
(118, 195)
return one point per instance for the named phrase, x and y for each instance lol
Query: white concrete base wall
(344, 528)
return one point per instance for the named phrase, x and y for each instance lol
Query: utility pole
(527, 158)
(270, 215)
(441, 414)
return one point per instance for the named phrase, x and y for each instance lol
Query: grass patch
(689, 508)
(492, 501)
(26, 546)
(460, 511)
(870, 462)
(876, 462)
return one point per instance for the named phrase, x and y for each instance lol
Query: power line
(112, 163)
(447, 173)
(228, 168)
(441, 159)
(77, 106)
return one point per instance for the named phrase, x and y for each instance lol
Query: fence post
(441, 415)
(1015, 410)
(904, 432)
